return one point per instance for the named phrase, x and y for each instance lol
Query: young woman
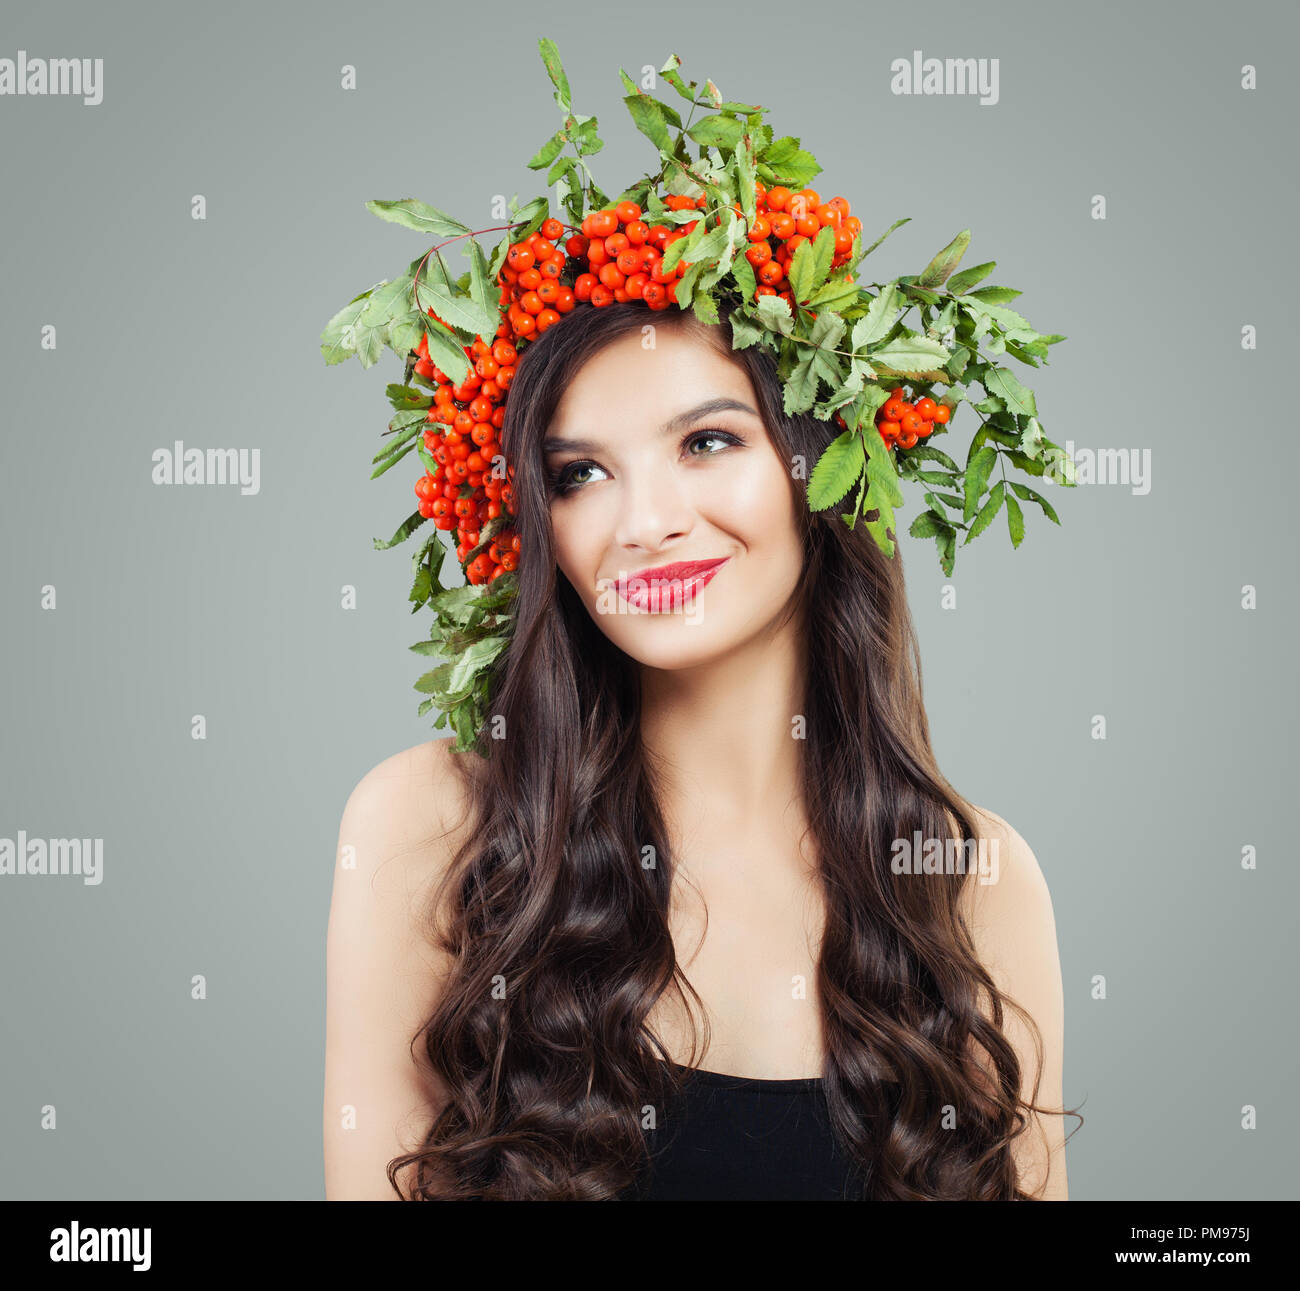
(657, 944)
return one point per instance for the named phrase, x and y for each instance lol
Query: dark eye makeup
(561, 483)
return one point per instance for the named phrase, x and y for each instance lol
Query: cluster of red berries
(471, 484)
(903, 423)
(789, 219)
(623, 255)
(620, 258)
(619, 255)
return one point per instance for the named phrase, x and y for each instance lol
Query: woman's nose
(654, 510)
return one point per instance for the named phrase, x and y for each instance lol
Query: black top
(737, 1138)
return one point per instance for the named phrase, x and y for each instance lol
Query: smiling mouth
(668, 587)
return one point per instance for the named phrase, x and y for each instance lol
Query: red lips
(678, 571)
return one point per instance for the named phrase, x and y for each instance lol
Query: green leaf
(705, 307)
(459, 310)
(404, 333)
(717, 131)
(1029, 495)
(926, 525)
(774, 314)
(1015, 521)
(934, 497)
(932, 454)
(391, 299)
(1026, 464)
(979, 306)
(987, 511)
(1003, 383)
(474, 657)
(404, 531)
(406, 398)
(338, 340)
(911, 354)
(446, 352)
(420, 216)
(783, 159)
(878, 319)
(743, 272)
(835, 295)
(977, 474)
(405, 434)
(555, 70)
(547, 153)
(935, 274)
(989, 295)
(836, 470)
(563, 166)
(709, 245)
(964, 281)
(800, 387)
(811, 263)
(947, 544)
(1031, 439)
(744, 331)
(883, 492)
(905, 220)
(650, 118)
(670, 74)
(480, 288)
(389, 462)
(745, 176)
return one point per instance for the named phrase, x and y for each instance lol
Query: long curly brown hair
(558, 938)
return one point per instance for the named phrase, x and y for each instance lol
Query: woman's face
(673, 515)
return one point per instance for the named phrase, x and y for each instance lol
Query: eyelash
(559, 485)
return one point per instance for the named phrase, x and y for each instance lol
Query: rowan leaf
(878, 319)
(911, 354)
(1028, 494)
(964, 281)
(418, 215)
(1015, 521)
(935, 274)
(1003, 383)
(988, 511)
(977, 474)
(404, 531)
(836, 471)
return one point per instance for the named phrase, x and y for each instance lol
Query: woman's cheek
(750, 499)
(577, 547)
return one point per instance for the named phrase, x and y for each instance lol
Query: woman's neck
(723, 736)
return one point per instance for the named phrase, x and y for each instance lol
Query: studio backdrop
(197, 671)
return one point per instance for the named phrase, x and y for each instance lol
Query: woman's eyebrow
(679, 421)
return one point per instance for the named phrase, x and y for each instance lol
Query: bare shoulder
(1014, 886)
(409, 796)
(401, 827)
(1008, 910)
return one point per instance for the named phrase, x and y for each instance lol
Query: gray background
(219, 854)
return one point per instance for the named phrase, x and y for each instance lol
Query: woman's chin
(670, 642)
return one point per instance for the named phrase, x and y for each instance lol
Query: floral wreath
(735, 223)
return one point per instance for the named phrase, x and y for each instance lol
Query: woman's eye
(566, 479)
(573, 475)
(720, 437)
